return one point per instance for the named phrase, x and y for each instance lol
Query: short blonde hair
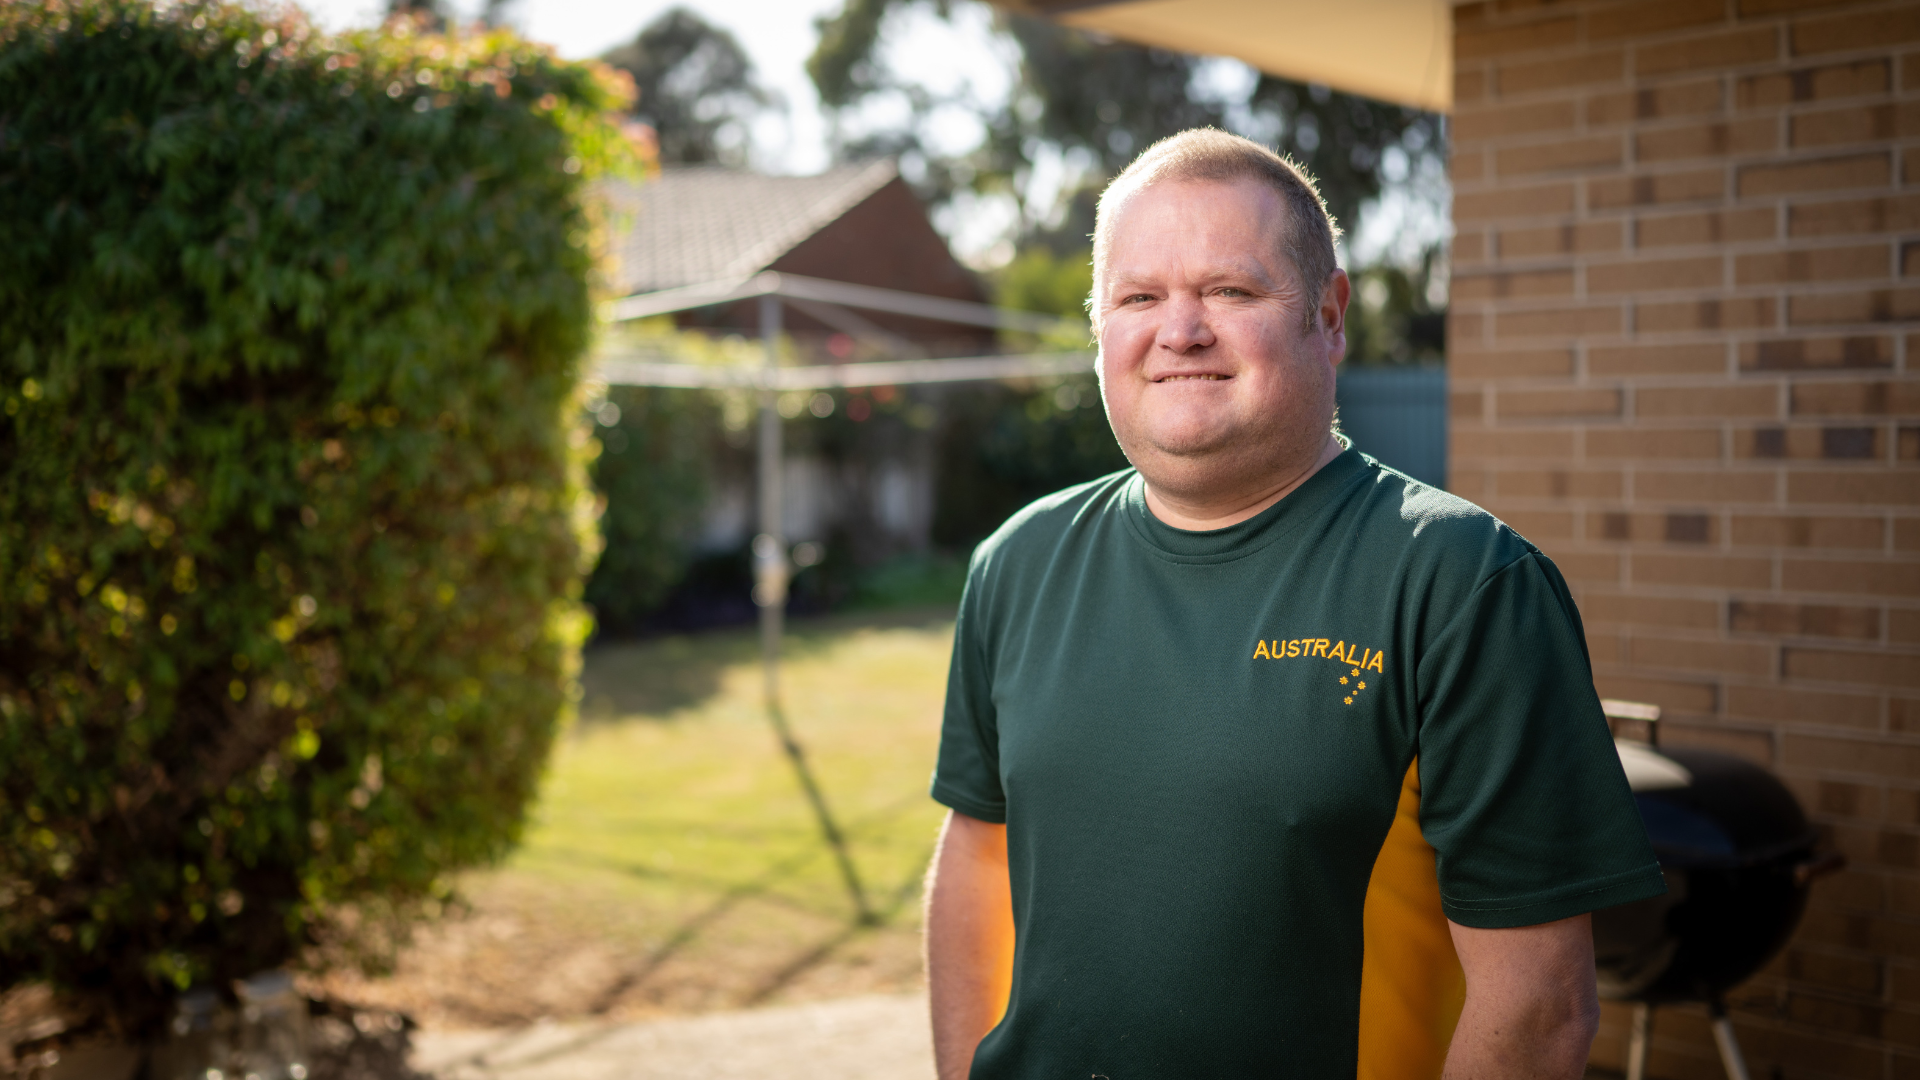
(1207, 154)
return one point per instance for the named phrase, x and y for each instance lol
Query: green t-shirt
(1197, 741)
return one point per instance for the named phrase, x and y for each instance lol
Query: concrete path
(864, 1038)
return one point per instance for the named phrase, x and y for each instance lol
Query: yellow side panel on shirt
(1411, 986)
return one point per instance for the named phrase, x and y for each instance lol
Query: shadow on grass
(653, 678)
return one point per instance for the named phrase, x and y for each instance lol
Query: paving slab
(862, 1038)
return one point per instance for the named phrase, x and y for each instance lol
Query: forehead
(1199, 221)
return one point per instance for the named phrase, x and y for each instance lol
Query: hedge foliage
(293, 513)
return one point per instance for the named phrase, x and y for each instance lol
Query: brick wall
(1683, 354)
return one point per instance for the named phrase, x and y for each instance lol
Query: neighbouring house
(857, 223)
(1685, 361)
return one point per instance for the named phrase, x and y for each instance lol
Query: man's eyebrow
(1248, 271)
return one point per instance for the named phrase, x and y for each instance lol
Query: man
(1187, 700)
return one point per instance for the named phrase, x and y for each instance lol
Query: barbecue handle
(1819, 866)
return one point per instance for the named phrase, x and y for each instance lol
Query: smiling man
(1188, 700)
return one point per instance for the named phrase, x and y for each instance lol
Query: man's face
(1213, 373)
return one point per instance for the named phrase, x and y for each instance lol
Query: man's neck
(1217, 512)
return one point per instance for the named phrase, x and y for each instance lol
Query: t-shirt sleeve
(1522, 794)
(966, 776)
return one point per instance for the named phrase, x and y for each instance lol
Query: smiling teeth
(1209, 378)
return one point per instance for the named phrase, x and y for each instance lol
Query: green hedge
(293, 514)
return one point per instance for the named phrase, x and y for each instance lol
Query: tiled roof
(696, 224)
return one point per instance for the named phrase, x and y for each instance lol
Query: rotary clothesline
(819, 297)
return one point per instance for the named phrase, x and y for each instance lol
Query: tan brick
(1650, 275)
(1655, 102)
(1873, 757)
(1803, 620)
(1512, 202)
(1569, 239)
(1506, 284)
(1643, 17)
(1585, 69)
(1491, 41)
(1540, 525)
(1806, 443)
(1469, 246)
(1504, 442)
(1813, 84)
(1718, 657)
(1599, 152)
(1855, 263)
(1879, 398)
(1704, 401)
(1903, 714)
(1906, 534)
(1567, 403)
(1718, 485)
(1587, 566)
(1675, 528)
(1615, 192)
(1469, 86)
(1673, 696)
(1867, 578)
(1803, 706)
(1711, 227)
(1903, 626)
(1464, 405)
(1808, 531)
(1509, 363)
(1817, 354)
(1702, 571)
(1852, 974)
(1869, 29)
(1743, 313)
(1467, 166)
(1718, 139)
(1488, 123)
(1826, 174)
(1557, 322)
(1889, 213)
(1854, 123)
(1867, 306)
(1558, 483)
(1852, 666)
(1628, 609)
(1653, 443)
(1876, 487)
(1750, 8)
(1705, 358)
(1720, 50)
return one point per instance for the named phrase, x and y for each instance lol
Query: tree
(293, 514)
(696, 88)
(1099, 102)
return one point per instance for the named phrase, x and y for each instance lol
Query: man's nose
(1183, 325)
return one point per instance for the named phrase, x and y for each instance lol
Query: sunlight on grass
(672, 864)
(674, 774)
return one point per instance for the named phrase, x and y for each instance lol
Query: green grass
(672, 862)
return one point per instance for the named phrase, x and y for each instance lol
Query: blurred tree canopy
(695, 86)
(293, 511)
(1100, 102)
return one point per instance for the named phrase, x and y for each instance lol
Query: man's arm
(969, 939)
(1532, 1008)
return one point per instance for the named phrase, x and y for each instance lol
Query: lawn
(672, 863)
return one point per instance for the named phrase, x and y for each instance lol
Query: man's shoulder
(1416, 521)
(1041, 524)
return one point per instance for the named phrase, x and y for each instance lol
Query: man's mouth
(1183, 378)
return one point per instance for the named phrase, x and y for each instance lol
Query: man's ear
(1333, 311)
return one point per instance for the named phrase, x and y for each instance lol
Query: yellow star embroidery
(1343, 680)
(1363, 686)
(1349, 699)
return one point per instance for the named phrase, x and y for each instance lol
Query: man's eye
(1231, 291)
(1138, 298)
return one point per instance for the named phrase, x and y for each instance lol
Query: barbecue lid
(1702, 808)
